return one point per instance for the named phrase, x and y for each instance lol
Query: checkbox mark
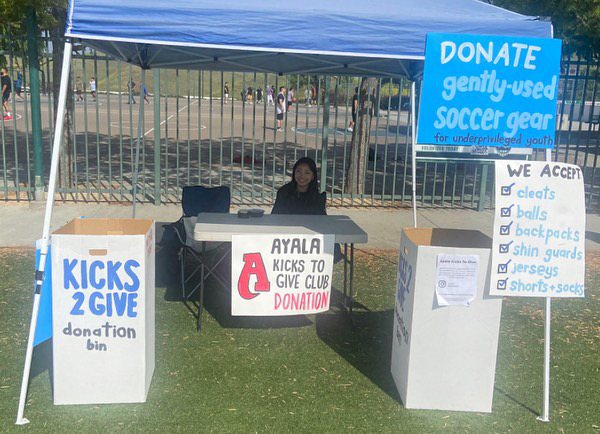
(506, 189)
(505, 229)
(503, 268)
(505, 247)
(501, 283)
(505, 211)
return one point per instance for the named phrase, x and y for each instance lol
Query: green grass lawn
(312, 374)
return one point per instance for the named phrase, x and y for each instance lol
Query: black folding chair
(195, 200)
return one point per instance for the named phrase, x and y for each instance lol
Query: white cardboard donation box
(446, 325)
(103, 310)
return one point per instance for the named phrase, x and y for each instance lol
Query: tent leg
(545, 416)
(139, 139)
(39, 274)
(413, 130)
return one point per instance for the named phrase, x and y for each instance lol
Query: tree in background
(576, 22)
(359, 146)
(51, 15)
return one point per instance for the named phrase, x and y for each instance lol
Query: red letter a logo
(253, 264)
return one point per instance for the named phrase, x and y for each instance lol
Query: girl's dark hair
(313, 187)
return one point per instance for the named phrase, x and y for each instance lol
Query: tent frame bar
(40, 272)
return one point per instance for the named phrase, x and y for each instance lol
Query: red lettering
(253, 265)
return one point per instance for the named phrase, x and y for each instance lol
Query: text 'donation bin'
(444, 356)
(103, 310)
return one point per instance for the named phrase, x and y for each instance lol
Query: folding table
(212, 227)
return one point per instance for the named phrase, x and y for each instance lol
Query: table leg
(351, 277)
(201, 299)
(345, 274)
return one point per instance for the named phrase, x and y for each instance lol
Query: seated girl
(301, 195)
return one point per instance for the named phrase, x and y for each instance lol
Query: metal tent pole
(139, 139)
(413, 126)
(39, 274)
(545, 416)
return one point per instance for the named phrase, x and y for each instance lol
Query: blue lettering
(96, 309)
(135, 281)
(84, 279)
(111, 275)
(120, 300)
(69, 278)
(131, 305)
(98, 284)
(78, 297)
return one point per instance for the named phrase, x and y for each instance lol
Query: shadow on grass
(41, 360)
(516, 401)
(367, 346)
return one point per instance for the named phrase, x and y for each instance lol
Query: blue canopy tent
(349, 37)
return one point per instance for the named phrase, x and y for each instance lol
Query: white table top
(220, 227)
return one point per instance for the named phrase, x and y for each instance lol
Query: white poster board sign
(539, 230)
(456, 279)
(273, 275)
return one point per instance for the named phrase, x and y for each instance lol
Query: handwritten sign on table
(281, 274)
(481, 90)
(539, 230)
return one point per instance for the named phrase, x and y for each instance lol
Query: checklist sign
(506, 211)
(538, 247)
(503, 268)
(504, 248)
(505, 229)
(505, 190)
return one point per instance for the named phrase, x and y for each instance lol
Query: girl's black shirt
(291, 201)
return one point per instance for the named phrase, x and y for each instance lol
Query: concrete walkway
(22, 223)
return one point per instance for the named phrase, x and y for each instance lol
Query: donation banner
(274, 275)
(539, 230)
(489, 91)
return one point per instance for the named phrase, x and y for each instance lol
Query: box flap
(448, 237)
(87, 226)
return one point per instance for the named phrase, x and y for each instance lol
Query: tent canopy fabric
(350, 37)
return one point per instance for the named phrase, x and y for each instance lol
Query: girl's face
(303, 176)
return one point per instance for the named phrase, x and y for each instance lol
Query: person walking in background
(354, 110)
(78, 89)
(93, 88)
(19, 84)
(130, 89)
(146, 95)
(280, 107)
(270, 95)
(249, 94)
(259, 93)
(313, 94)
(6, 89)
(226, 92)
(290, 99)
(307, 96)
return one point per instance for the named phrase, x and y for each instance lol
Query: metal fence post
(482, 188)
(325, 135)
(36, 113)
(156, 90)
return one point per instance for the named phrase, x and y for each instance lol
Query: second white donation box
(446, 325)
